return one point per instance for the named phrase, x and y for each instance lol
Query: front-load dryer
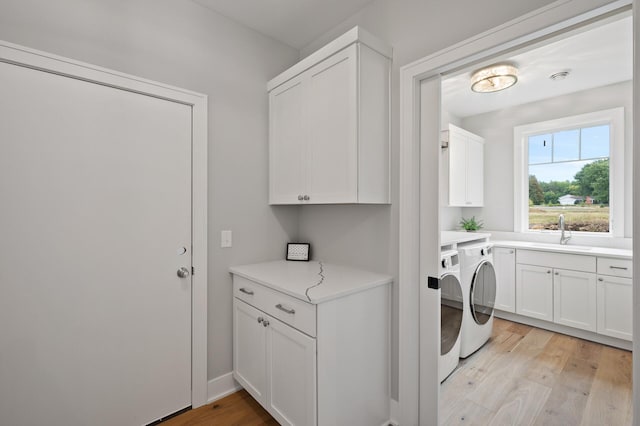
(478, 279)
(451, 312)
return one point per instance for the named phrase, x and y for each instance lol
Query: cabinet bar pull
(285, 309)
(245, 291)
(624, 268)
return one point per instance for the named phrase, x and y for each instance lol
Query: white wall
(186, 45)
(414, 28)
(497, 129)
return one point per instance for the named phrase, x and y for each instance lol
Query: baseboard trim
(559, 328)
(394, 408)
(221, 386)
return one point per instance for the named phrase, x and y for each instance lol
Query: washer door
(450, 312)
(483, 292)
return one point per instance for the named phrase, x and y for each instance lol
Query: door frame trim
(537, 25)
(47, 62)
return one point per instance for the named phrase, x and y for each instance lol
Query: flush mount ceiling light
(494, 78)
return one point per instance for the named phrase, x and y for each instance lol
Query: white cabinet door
(457, 169)
(249, 349)
(475, 172)
(574, 302)
(534, 291)
(466, 168)
(504, 260)
(287, 143)
(291, 368)
(332, 154)
(615, 304)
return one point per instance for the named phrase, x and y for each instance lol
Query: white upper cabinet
(466, 168)
(329, 125)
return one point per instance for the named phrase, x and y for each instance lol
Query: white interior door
(95, 184)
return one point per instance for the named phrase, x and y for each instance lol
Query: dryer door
(483, 292)
(450, 312)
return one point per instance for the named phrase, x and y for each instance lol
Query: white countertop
(324, 281)
(458, 237)
(573, 249)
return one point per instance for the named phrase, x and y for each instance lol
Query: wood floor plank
(525, 375)
(550, 362)
(237, 409)
(465, 412)
(610, 396)
(570, 394)
(522, 404)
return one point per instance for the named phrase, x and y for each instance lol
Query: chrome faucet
(563, 239)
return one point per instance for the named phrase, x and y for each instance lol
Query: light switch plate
(225, 239)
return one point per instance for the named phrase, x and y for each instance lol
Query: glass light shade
(494, 78)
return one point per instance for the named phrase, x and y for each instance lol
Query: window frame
(614, 117)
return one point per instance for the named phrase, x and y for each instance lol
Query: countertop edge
(595, 251)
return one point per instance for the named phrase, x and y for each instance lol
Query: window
(570, 166)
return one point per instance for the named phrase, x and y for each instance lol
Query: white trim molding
(222, 386)
(22, 56)
(544, 23)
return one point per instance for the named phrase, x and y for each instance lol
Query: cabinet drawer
(291, 311)
(575, 262)
(615, 267)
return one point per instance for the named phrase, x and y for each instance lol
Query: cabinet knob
(511, 251)
(306, 198)
(265, 323)
(300, 198)
(548, 272)
(260, 319)
(600, 279)
(557, 273)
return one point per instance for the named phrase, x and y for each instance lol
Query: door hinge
(433, 282)
(193, 271)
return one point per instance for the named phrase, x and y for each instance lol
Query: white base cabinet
(574, 299)
(324, 363)
(504, 261)
(276, 364)
(586, 292)
(534, 291)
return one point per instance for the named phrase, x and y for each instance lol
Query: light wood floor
(237, 409)
(522, 376)
(528, 376)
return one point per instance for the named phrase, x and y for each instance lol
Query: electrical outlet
(225, 239)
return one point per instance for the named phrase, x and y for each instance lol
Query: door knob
(183, 272)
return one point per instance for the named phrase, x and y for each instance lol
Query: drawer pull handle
(624, 268)
(285, 309)
(245, 291)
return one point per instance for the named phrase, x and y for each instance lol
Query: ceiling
(293, 22)
(597, 57)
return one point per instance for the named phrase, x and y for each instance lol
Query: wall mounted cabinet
(466, 168)
(329, 125)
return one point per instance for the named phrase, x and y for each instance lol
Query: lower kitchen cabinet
(311, 342)
(615, 306)
(574, 299)
(534, 291)
(504, 261)
(276, 364)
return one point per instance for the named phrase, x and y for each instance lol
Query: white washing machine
(478, 279)
(451, 313)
